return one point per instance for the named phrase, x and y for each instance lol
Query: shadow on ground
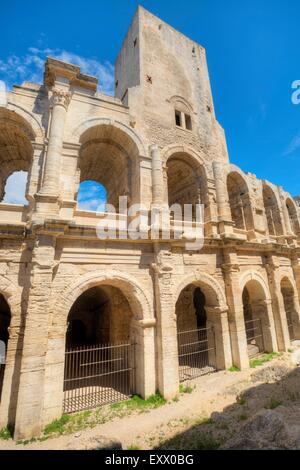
(266, 415)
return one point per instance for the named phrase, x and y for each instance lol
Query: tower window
(135, 42)
(178, 118)
(188, 122)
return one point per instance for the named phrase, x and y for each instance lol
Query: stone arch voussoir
(130, 287)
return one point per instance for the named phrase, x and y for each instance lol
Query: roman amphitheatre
(89, 322)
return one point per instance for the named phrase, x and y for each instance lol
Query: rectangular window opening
(178, 118)
(188, 122)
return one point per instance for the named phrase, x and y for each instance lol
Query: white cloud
(30, 67)
(293, 145)
(15, 188)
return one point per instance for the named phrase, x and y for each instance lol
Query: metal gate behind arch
(98, 375)
(2, 368)
(196, 353)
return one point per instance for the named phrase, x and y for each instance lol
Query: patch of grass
(202, 421)
(234, 369)
(25, 442)
(58, 425)
(175, 399)
(6, 433)
(137, 403)
(290, 350)
(185, 388)
(133, 447)
(272, 404)
(71, 423)
(259, 361)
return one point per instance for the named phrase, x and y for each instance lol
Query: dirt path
(214, 398)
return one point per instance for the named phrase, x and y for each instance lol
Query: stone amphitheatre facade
(62, 288)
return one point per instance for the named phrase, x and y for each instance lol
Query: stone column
(287, 229)
(144, 337)
(51, 180)
(211, 211)
(236, 312)
(166, 332)
(218, 318)
(157, 177)
(280, 320)
(224, 213)
(296, 271)
(32, 372)
(263, 309)
(34, 172)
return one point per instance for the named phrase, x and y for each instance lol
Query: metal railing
(2, 368)
(97, 375)
(291, 330)
(196, 353)
(254, 334)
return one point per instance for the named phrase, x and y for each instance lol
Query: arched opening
(15, 156)
(100, 359)
(288, 295)
(239, 201)
(15, 188)
(272, 212)
(109, 157)
(187, 183)
(199, 346)
(92, 196)
(294, 221)
(256, 318)
(5, 317)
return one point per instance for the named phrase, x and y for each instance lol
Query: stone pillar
(31, 387)
(287, 228)
(236, 312)
(145, 357)
(280, 320)
(218, 318)
(224, 213)
(11, 377)
(296, 271)
(263, 309)
(34, 172)
(211, 211)
(50, 189)
(157, 177)
(166, 332)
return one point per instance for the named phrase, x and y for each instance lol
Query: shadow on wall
(264, 416)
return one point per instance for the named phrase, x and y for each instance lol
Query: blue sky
(253, 57)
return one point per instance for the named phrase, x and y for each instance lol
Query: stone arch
(239, 198)
(10, 292)
(195, 157)
(87, 124)
(38, 133)
(290, 305)
(273, 213)
(179, 99)
(255, 276)
(293, 215)
(201, 316)
(16, 146)
(258, 314)
(142, 318)
(185, 176)
(130, 287)
(110, 154)
(214, 293)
